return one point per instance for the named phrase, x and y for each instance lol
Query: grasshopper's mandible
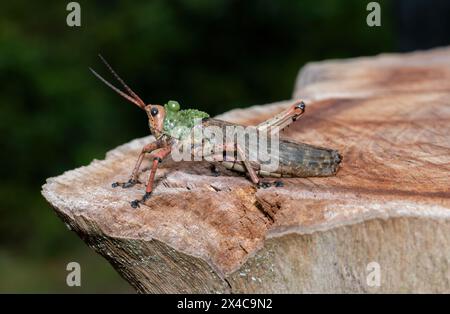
(294, 159)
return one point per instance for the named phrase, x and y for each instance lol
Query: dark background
(213, 55)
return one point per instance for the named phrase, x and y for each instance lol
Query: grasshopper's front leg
(157, 157)
(135, 174)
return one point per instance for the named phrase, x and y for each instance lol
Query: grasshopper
(295, 159)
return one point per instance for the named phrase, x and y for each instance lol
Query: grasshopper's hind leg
(278, 123)
(284, 118)
(135, 174)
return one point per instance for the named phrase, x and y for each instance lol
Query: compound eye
(154, 111)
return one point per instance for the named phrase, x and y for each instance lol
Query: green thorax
(179, 123)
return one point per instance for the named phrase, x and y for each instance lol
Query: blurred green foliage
(213, 55)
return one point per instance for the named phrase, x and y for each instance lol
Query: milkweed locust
(174, 128)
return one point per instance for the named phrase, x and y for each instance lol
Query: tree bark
(389, 204)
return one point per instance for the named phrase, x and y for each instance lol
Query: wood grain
(389, 117)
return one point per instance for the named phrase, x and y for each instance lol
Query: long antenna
(118, 91)
(133, 97)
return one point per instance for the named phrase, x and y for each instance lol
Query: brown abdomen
(295, 159)
(303, 160)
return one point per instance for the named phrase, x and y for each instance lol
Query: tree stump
(387, 209)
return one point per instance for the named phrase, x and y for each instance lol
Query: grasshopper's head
(155, 113)
(157, 116)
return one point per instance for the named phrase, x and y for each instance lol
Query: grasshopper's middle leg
(251, 172)
(235, 148)
(157, 157)
(223, 148)
(135, 174)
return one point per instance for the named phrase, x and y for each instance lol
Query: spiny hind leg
(284, 118)
(134, 175)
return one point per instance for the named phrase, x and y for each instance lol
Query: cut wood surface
(389, 117)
